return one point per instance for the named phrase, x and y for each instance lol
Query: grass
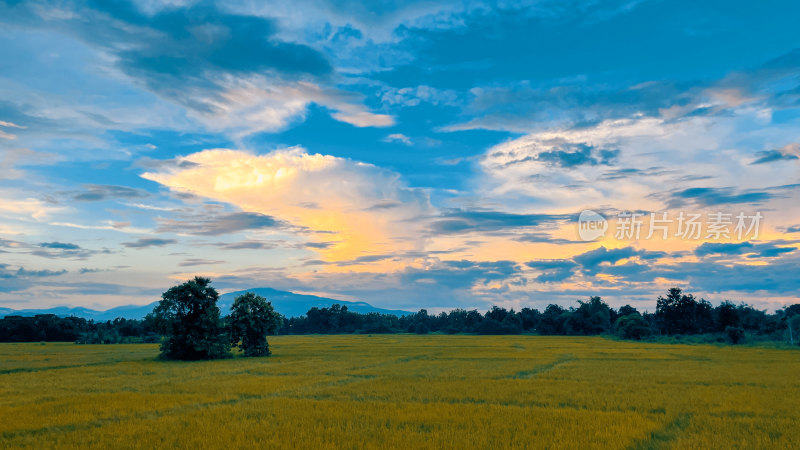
(404, 391)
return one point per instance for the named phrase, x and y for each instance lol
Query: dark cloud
(217, 224)
(59, 245)
(22, 278)
(601, 255)
(39, 273)
(318, 245)
(544, 237)
(459, 221)
(595, 261)
(793, 229)
(769, 156)
(383, 205)
(573, 155)
(164, 164)
(460, 274)
(198, 262)
(752, 250)
(629, 172)
(248, 245)
(563, 155)
(778, 277)
(554, 270)
(365, 259)
(708, 196)
(98, 192)
(181, 53)
(149, 242)
(714, 248)
(64, 250)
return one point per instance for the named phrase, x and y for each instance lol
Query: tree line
(190, 325)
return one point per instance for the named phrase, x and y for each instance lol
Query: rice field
(404, 391)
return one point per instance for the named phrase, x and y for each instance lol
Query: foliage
(190, 320)
(252, 319)
(735, 335)
(677, 315)
(590, 318)
(632, 326)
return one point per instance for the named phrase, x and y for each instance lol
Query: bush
(735, 335)
(632, 326)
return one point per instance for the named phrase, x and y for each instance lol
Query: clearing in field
(404, 391)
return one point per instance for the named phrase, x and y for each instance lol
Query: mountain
(294, 305)
(287, 303)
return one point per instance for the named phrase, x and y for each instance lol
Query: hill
(287, 303)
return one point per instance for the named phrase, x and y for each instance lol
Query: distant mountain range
(287, 303)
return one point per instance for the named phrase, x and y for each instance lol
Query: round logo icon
(591, 225)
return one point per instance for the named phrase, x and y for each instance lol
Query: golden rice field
(404, 391)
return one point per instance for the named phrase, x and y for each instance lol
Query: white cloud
(5, 135)
(357, 209)
(398, 137)
(653, 157)
(255, 105)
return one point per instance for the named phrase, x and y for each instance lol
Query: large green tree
(189, 317)
(252, 319)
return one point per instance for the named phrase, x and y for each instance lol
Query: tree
(627, 310)
(592, 317)
(632, 326)
(682, 314)
(189, 318)
(727, 315)
(252, 319)
(552, 320)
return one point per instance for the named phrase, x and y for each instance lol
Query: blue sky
(409, 154)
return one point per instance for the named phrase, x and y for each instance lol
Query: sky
(419, 154)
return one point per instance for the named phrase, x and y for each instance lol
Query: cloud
(39, 273)
(211, 224)
(553, 271)
(22, 278)
(248, 245)
(59, 245)
(460, 221)
(398, 137)
(577, 155)
(230, 71)
(281, 184)
(257, 104)
(64, 250)
(752, 250)
(789, 152)
(593, 258)
(604, 260)
(99, 192)
(198, 262)
(462, 274)
(149, 242)
(6, 135)
(708, 196)
(362, 119)
(714, 248)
